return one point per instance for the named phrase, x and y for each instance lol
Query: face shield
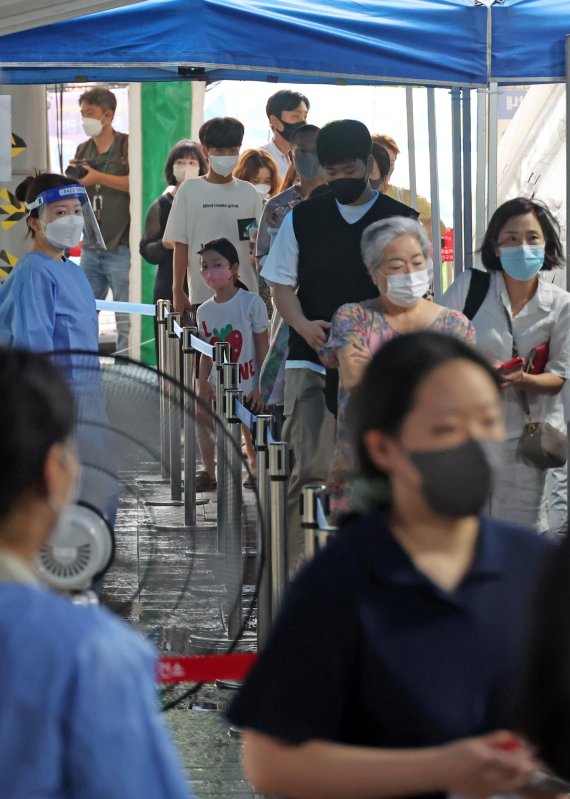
(55, 204)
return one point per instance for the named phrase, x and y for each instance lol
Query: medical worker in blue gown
(78, 707)
(48, 306)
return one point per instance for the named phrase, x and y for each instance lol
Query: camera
(76, 171)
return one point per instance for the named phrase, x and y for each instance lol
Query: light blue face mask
(522, 262)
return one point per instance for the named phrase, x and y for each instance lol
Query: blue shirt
(48, 305)
(369, 651)
(78, 705)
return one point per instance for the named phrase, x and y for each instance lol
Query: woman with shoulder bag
(522, 322)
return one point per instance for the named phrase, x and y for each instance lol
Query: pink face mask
(218, 278)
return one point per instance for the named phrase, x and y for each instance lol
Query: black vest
(330, 267)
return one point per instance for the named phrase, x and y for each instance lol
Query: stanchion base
(220, 590)
(208, 643)
(152, 479)
(228, 685)
(163, 503)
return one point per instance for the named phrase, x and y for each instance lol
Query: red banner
(204, 668)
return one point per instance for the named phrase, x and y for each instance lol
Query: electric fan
(171, 579)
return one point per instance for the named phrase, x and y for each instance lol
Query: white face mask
(92, 127)
(65, 232)
(409, 288)
(184, 171)
(262, 188)
(223, 165)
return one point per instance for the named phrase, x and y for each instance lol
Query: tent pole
(467, 187)
(434, 185)
(411, 146)
(492, 148)
(480, 222)
(457, 187)
(567, 167)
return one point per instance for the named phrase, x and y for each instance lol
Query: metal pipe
(262, 430)
(467, 182)
(434, 183)
(481, 184)
(456, 151)
(278, 474)
(162, 311)
(411, 146)
(309, 522)
(174, 408)
(189, 426)
(221, 356)
(492, 149)
(233, 502)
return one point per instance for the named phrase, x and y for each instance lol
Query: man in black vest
(315, 266)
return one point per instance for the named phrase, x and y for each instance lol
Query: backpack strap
(478, 288)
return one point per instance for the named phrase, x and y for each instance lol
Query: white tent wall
(532, 153)
(29, 123)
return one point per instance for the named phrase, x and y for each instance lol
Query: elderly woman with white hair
(396, 252)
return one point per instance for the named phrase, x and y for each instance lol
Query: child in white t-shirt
(239, 317)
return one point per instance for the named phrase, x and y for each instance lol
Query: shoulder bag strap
(478, 288)
(523, 399)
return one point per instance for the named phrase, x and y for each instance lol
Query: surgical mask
(408, 289)
(308, 166)
(289, 128)
(262, 188)
(64, 232)
(223, 165)
(348, 190)
(91, 126)
(184, 171)
(218, 278)
(457, 482)
(523, 262)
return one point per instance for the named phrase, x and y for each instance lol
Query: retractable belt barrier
(177, 348)
(204, 668)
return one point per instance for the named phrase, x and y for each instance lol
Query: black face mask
(347, 190)
(457, 481)
(289, 128)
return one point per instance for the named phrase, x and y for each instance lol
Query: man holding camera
(101, 164)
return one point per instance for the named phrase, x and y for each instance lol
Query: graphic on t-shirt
(227, 333)
(244, 226)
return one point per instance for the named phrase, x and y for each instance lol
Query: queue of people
(393, 668)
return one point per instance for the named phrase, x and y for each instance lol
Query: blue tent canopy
(439, 42)
(528, 39)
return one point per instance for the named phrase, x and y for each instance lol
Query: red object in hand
(512, 364)
(512, 746)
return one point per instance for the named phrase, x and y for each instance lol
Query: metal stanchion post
(174, 406)
(315, 536)
(221, 356)
(230, 380)
(262, 430)
(189, 426)
(162, 311)
(233, 503)
(278, 473)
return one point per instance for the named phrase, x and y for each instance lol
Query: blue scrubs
(78, 704)
(48, 305)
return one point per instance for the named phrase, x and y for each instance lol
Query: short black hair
(343, 140)
(100, 96)
(37, 412)
(553, 253)
(382, 158)
(388, 389)
(184, 149)
(222, 246)
(284, 100)
(222, 132)
(302, 131)
(34, 185)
